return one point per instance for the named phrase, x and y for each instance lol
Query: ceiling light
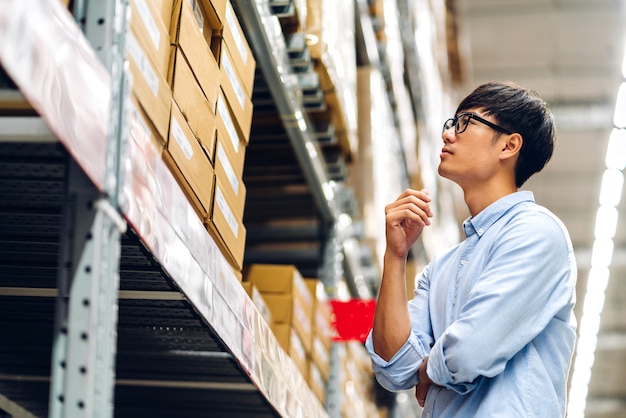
(619, 116)
(611, 188)
(606, 222)
(616, 152)
(602, 252)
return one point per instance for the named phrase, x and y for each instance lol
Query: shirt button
(480, 230)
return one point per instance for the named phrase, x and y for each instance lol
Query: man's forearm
(392, 324)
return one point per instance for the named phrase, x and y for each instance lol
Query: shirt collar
(488, 216)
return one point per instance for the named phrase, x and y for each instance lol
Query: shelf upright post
(331, 273)
(85, 332)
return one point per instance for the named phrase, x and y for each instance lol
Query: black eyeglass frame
(449, 123)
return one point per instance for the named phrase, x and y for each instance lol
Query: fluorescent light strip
(601, 257)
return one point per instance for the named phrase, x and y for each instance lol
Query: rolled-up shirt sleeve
(400, 372)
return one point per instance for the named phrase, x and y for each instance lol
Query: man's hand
(421, 390)
(405, 219)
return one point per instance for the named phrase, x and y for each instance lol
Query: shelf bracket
(85, 337)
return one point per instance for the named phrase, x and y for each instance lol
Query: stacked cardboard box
(194, 81)
(192, 77)
(321, 339)
(356, 380)
(234, 119)
(291, 304)
(257, 298)
(300, 319)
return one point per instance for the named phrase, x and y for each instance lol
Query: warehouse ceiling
(570, 52)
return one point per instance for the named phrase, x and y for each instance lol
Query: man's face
(470, 157)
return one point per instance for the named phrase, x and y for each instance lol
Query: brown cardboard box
(165, 9)
(320, 355)
(194, 44)
(189, 164)
(236, 97)
(226, 227)
(193, 103)
(321, 317)
(287, 308)
(317, 382)
(219, 8)
(227, 133)
(233, 183)
(288, 339)
(152, 34)
(235, 40)
(142, 129)
(149, 86)
(259, 302)
(278, 278)
(314, 28)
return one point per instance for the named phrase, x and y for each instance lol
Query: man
(490, 330)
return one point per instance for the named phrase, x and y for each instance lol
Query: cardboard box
(233, 183)
(279, 278)
(235, 41)
(317, 382)
(189, 164)
(142, 129)
(259, 302)
(322, 314)
(219, 9)
(234, 145)
(320, 355)
(314, 28)
(152, 34)
(287, 308)
(236, 97)
(149, 86)
(165, 9)
(226, 227)
(195, 46)
(192, 102)
(290, 342)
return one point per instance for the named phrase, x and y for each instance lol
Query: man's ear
(511, 146)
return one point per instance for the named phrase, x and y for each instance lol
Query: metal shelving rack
(101, 296)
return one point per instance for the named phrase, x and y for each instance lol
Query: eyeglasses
(461, 121)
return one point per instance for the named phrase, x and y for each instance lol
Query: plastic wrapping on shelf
(47, 55)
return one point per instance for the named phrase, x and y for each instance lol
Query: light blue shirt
(494, 315)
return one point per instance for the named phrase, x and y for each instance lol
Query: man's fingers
(411, 199)
(408, 211)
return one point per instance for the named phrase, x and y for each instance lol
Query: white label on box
(321, 351)
(230, 128)
(296, 344)
(302, 318)
(232, 76)
(143, 63)
(230, 173)
(137, 123)
(149, 22)
(181, 139)
(316, 376)
(231, 19)
(303, 288)
(198, 14)
(228, 214)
